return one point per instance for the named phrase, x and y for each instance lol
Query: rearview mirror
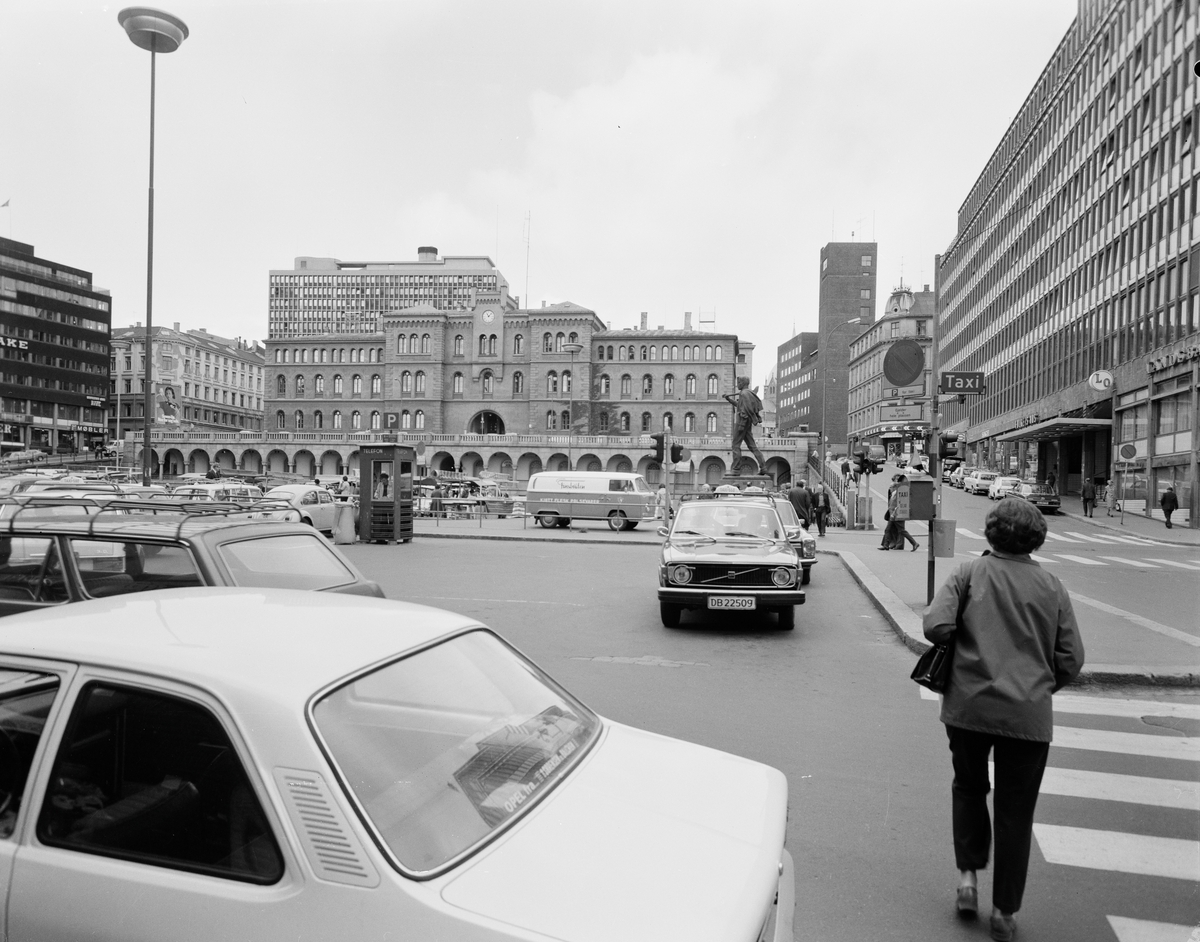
(793, 533)
(663, 531)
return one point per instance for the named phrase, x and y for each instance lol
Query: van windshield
(640, 484)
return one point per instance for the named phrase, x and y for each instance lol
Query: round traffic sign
(904, 362)
(1129, 451)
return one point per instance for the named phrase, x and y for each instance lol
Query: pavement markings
(1138, 619)
(1192, 567)
(1137, 541)
(1130, 789)
(1186, 748)
(1117, 851)
(1140, 563)
(1059, 536)
(1114, 706)
(1143, 930)
(1093, 539)
(969, 534)
(1083, 560)
(1041, 559)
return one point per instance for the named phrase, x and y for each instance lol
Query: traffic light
(948, 445)
(658, 454)
(861, 465)
(679, 453)
(876, 467)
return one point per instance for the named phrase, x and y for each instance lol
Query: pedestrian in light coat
(1018, 644)
(820, 506)
(1169, 504)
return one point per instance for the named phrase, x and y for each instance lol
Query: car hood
(651, 838)
(745, 553)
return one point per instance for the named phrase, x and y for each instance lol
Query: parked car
(978, 482)
(1041, 495)
(315, 504)
(948, 469)
(221, 491)
(799, 537)
(957, 475)
(70, 552)
(728, 552)
(275, 765)
(1002, 487)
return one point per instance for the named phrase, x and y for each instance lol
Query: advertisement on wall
(167, 404)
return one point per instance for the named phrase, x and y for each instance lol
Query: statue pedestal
(746, 480)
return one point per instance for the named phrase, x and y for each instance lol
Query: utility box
(943, 537)
(385, 473)
(920, 500)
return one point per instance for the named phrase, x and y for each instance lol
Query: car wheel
(616, 520)
(806, 575)
(670, 613)
(547, 520)
(309, 521)
(787, 618)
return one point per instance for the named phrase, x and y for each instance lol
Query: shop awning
(1059, 427)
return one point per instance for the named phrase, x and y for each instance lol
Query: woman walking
(1018, 643)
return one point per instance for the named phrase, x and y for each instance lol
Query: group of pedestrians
(896, 533)
(812, 505)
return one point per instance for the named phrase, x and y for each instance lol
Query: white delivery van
(555, 498)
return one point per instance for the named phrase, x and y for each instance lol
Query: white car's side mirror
(663, 531)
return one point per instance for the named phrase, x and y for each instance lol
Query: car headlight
(782, 576)
(681, 574)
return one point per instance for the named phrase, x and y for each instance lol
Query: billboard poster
(167, 404)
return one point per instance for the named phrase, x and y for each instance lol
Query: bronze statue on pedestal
(748, 413)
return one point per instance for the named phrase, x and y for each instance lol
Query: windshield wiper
(693, 533)
(753, 536)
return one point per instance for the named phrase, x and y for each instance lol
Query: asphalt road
(830, 703)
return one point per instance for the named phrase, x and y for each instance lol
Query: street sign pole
(933, 449)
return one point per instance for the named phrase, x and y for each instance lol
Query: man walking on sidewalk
(1089, 497)
(1169, 504)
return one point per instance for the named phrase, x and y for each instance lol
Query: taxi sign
(962, 383)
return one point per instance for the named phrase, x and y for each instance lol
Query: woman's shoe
(915, 547)
(1003, 927)
(967, 902)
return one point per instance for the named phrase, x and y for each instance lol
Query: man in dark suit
(799, 498)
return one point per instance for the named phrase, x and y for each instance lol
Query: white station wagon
(213, 763)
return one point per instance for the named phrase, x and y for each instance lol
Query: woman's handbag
(887, 515)
(933, 667)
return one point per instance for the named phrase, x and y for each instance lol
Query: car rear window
(442, 749)
(290, 561)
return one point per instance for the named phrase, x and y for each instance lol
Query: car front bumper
(763, 598)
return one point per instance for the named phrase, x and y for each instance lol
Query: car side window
(25, 701)
(153, 778)
(115, 568)
(325, 497)
(309, 498)
(30, 570)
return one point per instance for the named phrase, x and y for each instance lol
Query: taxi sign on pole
(962, 383)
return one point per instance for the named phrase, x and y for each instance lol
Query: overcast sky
(671, 156)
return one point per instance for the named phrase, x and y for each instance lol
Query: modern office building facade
(54, 345)
(1078, 251)
(795, 371)
(876, 416)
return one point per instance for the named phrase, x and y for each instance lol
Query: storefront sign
(12, 342)
(1168, 360)
(900, 413)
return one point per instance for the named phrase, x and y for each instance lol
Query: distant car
(221, 491)
(1002, 487)
(316, 505)
(957, 475)
(799, 537)
(219, 764)
(729, 552)
(948, 469)
(978, 482)
(1040, 495)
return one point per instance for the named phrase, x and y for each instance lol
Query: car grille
(719, 577)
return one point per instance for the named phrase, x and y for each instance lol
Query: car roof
(296, 488)
(244, 645)
(168, 525)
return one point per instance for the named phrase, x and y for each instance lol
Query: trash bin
(343, 523)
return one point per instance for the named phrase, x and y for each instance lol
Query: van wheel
(670, 613)
(787, 618)
(616, 520)
(547, 520)
(631, 524)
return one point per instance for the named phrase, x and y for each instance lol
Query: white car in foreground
(200, 764)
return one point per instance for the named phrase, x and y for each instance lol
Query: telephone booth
(385, 496)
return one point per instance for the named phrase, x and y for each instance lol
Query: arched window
(653, 352)
(668, 420)
(603, 422)
(341, 355)
(413, 343)
(551, 383)
(492, 339)
(551, 419)
(337, 418)
(337, 384)
(566, 382)
(426, 343)
(687, 353)
(621, 351)
(674, 352)
(420, 388)
(547, 342)
(457, 388)
(319, 385)
(647, 385)
(303, 357)
(405, 419)
(668, 385)
(689, 422)
(323, 352)
(626, 386)
(605, 385)
(710, 423)
(645, 421)
(689, 385)
(624, 421)
(610, 356)
(420, 419)
(371, 355)
(713, 382)
(573, 337)
(379, 354)
(486, 380)
(402, 344)
(518, 383)
(280, 419)
(287, 356)
(406, 383)
(518, 345)
(559, 340)
(696, 352)
(717, 352)
(356, 385)
(458, 345)
(375, 419)
(278, 358)
(376, 385)
(353, 356)
(356, 420)
(708, 352)
(645, 352)
(600, 352)
(483, 345)
(299, 417)
(318, 419)
(281, 385)
(566, 419)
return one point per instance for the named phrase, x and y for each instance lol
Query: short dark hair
(1015, 526)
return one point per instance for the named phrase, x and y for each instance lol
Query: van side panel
(589, 495)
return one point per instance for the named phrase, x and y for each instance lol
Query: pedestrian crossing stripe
(1041, 559)
(1136, 540)
(1140, 563)
(969, 534)
(1083, 560)
(1161, 629)
(1117, 851)
(1186, 748)
(1193, 567)
(1112, 706)
(1143, 930)
(1093, 539)
(1059, 536)
(1129, 789)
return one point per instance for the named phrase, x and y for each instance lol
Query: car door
(147, 826)
(326, 509)
(31, 574)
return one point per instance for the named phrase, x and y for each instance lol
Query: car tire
(616, 521)
(806, 576)
(631, 524)
(787, 618)
(670, 613)
(547, 520)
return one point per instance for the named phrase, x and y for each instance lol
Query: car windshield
(729, 519)
(293, 561)
(1008, 482)
(443, 748)
(1041, 489)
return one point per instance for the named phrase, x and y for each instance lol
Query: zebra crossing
(1056, 541)
(1129, 853)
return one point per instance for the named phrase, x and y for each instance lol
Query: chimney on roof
(927, 288)
(427, 253)
(645, 318)
(177, 327)
(543, 302)
(138, 324)
(687, 320)
(660, 327)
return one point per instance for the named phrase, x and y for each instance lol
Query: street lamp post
(156, 32)
(572, 348)
(824, 384)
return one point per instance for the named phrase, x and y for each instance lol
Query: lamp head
(153, 30)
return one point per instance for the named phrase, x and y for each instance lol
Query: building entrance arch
(198, 462)
(486, 423)
(277, 461)
(620, 464)
(500, 463)
(779, 469)
(252, 461)
(712, 469)
(305, 463)
(589, 463)
(173, 463)
(472, 464)
(331, 464)
(224, 460)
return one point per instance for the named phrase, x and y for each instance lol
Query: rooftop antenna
(528, 233)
